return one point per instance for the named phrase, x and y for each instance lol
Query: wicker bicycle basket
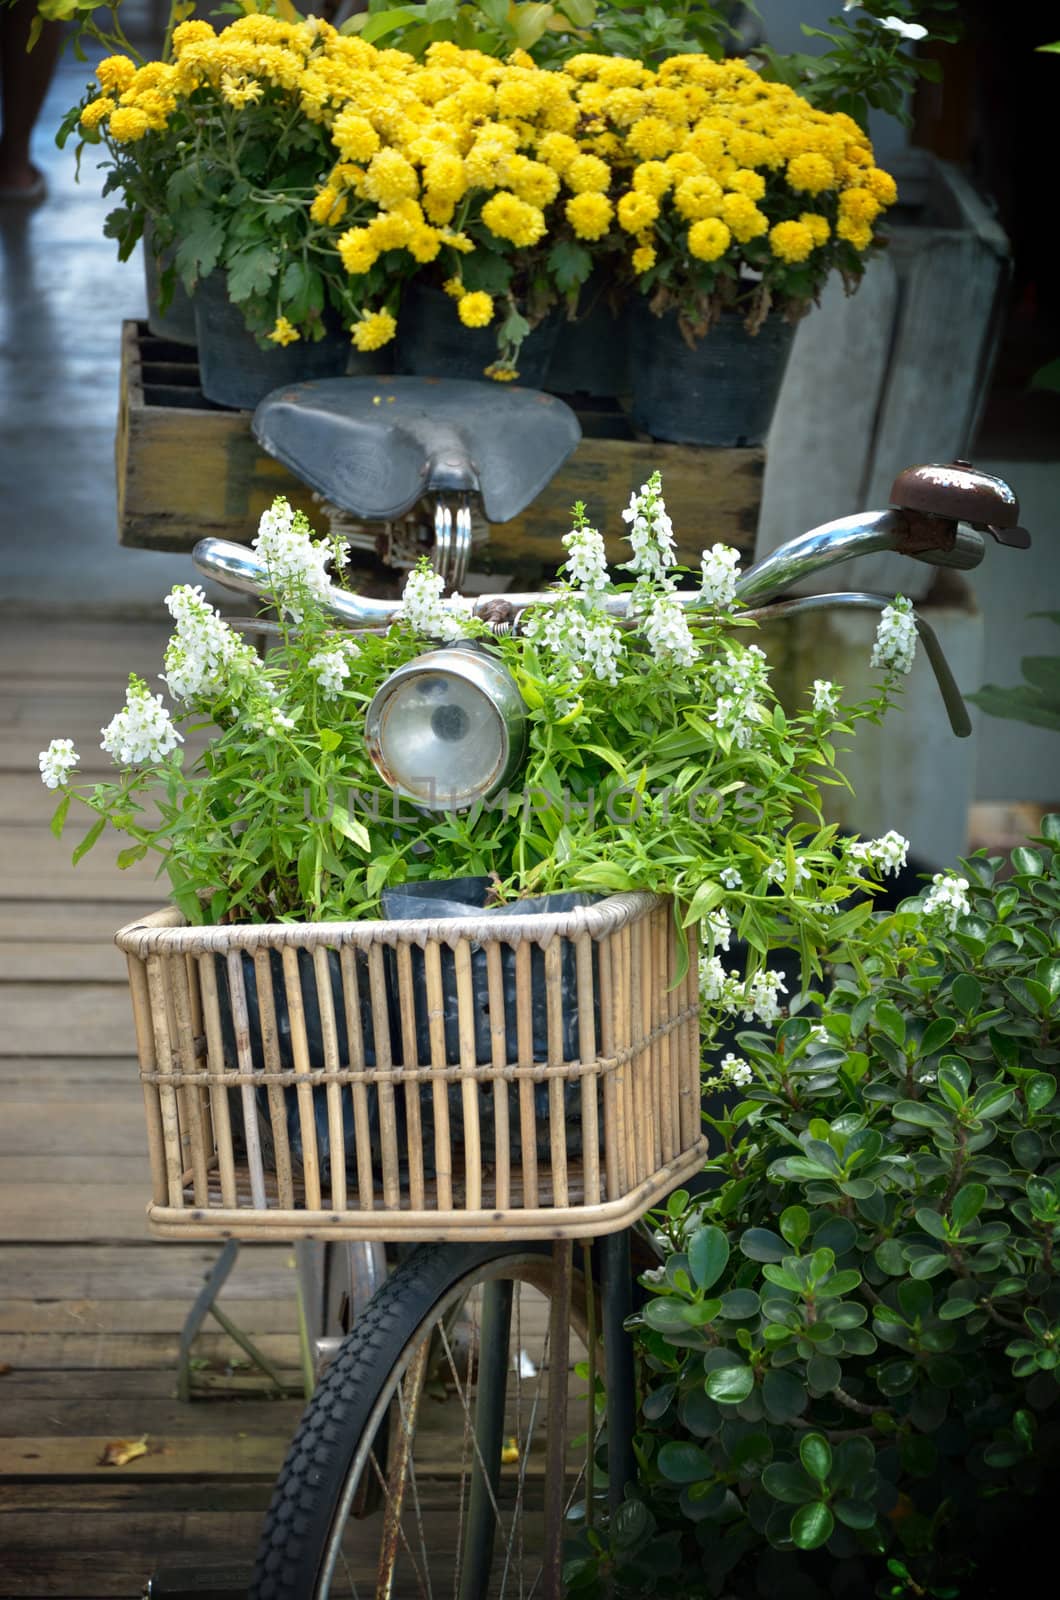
(478, 1077)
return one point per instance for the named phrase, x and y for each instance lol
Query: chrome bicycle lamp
(447, 729)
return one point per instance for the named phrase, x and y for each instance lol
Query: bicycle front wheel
(419, 1466)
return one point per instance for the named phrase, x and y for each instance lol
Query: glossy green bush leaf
(795, 1225)
(761, 1244)
(683, 1462)
(708, 1254)
(923, 1114)
(815, 1453)
(967, 1204)
(783, 1395)
(729, 1386)
(788, 1482)
(811, 1526)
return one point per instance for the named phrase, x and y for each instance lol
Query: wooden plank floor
(90, 1307)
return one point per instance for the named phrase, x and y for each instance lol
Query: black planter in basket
(465, 897)
(259, 1025)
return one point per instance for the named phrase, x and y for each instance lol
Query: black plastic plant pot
(465, 897)
(722, 393)
(285, 1050)
(591, 354)
(432, 342)
(235, 371)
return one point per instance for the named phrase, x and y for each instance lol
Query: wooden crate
(187, 469)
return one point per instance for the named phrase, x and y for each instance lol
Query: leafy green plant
(658, 758)
(1036, 701)
(868, 61)
(853, 1344)
(496, 27)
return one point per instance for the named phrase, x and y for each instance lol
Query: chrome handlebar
(868, 533)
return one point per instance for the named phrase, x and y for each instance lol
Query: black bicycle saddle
(375, 446)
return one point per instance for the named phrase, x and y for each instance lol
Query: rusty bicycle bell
(958, 492)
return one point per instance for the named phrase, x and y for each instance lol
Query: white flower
(720, 928)
(895, 645)
(738, 676)
(586, 564)
(819, 1034)
(887, 854)
(947, 898)
(761, 998)
(57, 763)
(651, 533)
(736, 1070)
(825, 696)
(582, 640)
(908, 30)
(718, 987)
(142, 731)
(721, 567)
(423, 608)
(730, 877)
(666, 629)
(777, 872)
(296, 562)
(332, 668)
(204, 655)
(927, 1077)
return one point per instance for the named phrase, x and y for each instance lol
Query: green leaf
(730, 1386)
(680, 1461)
(787, 1481)
(708, 1254)
(967, 993)
(85, 845)
(570, 264)
(992, 1100)
(923, 1114)
(928, 1266)
(795, 1225)
(201, 242)
(931, 1222)
(857, 1514)
(1027, 861)
(937, 1034)
(1039, 1092)
(967, 1203)
(812, 1526)
(783, 1395)
(251, 272)
(350, 829)
(59, 816)
(890, 1019)
(815, 1453)
(762, 1244)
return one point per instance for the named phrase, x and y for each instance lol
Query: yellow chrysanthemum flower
(328, 206)
(508, 217)
(698, 197)
(752, 184)
(532, 181)
(810, 173)
(115, 73)
(558, 150)
(358, 250)
(94, 113)
(743, 217)
(186, 33)
(859, 205)
(590, 215)
(644, 258)
(283, 332)
(424, 244)
(475, 310)
(127, 124)
(390, 178)
(588, 175)
(500, 372)
(652, 137)
(882, 185)
(708, 239)
(354, 136)
(791, 241)
(459, 242)
(375, 329)
(859, 234)
(637, 211)
(819, 226)
(240, 91)
(652, 177)
(453, 287)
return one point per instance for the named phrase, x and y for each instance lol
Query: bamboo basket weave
(221, 1099)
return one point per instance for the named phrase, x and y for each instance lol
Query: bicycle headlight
(447, 729)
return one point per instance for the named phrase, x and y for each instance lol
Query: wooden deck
(90, 1307)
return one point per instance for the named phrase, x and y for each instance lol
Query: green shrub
(853, 1347)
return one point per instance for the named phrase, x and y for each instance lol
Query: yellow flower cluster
(675, 167)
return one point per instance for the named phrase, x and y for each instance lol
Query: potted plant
(657, 758)
(849, 1356)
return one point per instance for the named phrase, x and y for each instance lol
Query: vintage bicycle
(553, 1058)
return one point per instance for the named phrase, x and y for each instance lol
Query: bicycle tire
(340, 1428)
